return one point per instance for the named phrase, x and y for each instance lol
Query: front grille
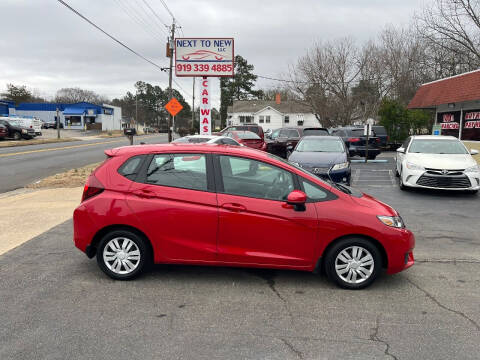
(444, 181)
(320, 170)
(444, 171)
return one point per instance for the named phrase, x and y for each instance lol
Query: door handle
(234, 207)
(143, 193)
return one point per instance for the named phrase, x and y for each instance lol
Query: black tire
(346, 244)
(473, 192)
(372, 157)
(141, 245)
(17, 136)
(396, 172)
(400, 182)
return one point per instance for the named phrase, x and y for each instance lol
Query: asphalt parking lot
(56, 304)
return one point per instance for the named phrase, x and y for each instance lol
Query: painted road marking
(61, 148)
(372, 176)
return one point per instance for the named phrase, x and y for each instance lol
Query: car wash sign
(204, 57)
(205, 108)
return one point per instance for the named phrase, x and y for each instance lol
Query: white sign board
(204, 57)
(367, 130)
(205, 108)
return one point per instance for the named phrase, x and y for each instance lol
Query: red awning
(455, 89)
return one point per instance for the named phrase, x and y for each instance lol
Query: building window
(300, 120)
(260, 119)
(267, 119)
(287, 119)
(246, 119)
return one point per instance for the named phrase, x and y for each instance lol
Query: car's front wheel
(122, 254)
(353, 263)
(17, 136)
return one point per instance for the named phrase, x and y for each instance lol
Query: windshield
(425, 146)
(354, 132)
(320, 145)
(14, 123)
(315, 132)
(248, 135)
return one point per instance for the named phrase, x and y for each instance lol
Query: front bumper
(338, 176)
(425, 180)
(400, 257)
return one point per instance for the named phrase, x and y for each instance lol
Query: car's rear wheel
(353, 263)
(371, 157)
(122, 254)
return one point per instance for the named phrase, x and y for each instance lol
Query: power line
(166, 7)
(110, 36)
(138, 21)
(147, 17)
(154, 13)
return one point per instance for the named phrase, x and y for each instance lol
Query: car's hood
(442, 161)
(317, 158)
(377, 206)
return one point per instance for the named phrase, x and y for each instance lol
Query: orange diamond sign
(173, 106)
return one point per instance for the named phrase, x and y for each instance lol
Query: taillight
(92, 188)
(377, 140)
(353, 139)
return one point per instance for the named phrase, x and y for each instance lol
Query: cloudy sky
(47, 47)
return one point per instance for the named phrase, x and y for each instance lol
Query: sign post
(173, 107)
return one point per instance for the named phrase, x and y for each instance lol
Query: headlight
(414, 166)
(393, 221)
(24, 131)
(295, 163)
(340, 166)
(473, 169)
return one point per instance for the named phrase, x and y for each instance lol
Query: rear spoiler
(111, 152)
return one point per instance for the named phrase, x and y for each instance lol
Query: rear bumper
(361, 151)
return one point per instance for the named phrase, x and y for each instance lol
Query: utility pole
(170, 120)
(58, 123)
(136, 109)
(193, 107)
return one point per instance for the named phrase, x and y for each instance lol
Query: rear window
(131, 167)
(354, 132)
(255, 129)
(379, 130)
(307, 132)
(248, 135)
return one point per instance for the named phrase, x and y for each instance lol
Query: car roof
(434, 137)
(202, 136)
(329, 137)
(179, 147)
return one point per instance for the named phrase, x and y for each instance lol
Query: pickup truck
(16, 130)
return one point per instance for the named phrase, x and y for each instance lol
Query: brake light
(353, 139)
(377, 140)
(92, 188)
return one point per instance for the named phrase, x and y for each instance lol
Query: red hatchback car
(247, 138)
(229, 206)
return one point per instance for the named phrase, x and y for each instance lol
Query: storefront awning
(74, 111)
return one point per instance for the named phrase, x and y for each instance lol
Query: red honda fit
(230, 206)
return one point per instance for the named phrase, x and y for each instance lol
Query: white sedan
(437, 162)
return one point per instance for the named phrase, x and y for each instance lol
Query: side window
(251, 178)
(283, 133)
(229, 142)
(275, 134)
(313, 192)
(131, 167)
(188, 171)
(293, 134)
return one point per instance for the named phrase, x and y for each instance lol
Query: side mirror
(473, 151)
(298, 199)
(401, 150)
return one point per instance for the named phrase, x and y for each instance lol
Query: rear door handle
(234, 207)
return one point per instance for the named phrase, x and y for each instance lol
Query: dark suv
(257, 129)
(16, 131)
(356, 141)
(282, 141)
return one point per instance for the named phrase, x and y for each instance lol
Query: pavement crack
(374, 337)
(292, 348)
(269, 277)
(431, 297)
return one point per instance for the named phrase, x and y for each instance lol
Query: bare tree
(324, 78)
(76, 95)
(452, 30)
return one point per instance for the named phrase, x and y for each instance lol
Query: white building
(270, 114)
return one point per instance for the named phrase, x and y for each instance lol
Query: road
(57, 304)
(23, 165)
